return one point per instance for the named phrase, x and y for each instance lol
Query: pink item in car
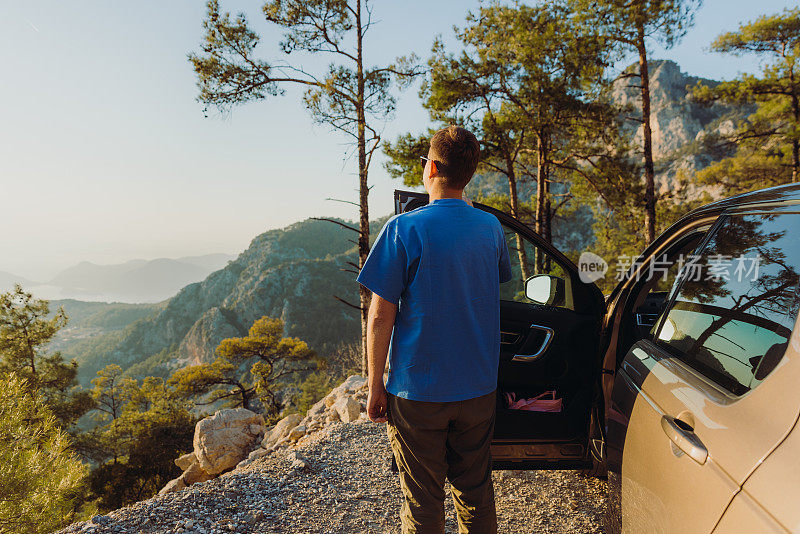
(539, 403)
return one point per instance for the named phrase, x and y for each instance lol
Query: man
(434, 273)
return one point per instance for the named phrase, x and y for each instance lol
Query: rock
(194, 474)
(353, 383)
(209, 328)
(316, 410)
(348, 409)
(258, 453)
(298, 462)
(330, 398)
(299, 465)
(186, 460)
(280, 430)
(297, 432)
(350, 385)
(224, 439)
(173, 485)
(101, 519)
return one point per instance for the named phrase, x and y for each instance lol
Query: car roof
(778, 195)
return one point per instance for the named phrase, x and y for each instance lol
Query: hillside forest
(98, 399)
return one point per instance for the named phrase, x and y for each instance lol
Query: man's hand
(377, 404)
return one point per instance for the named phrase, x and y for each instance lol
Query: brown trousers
(434, 440)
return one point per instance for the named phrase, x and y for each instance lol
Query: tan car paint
(746, 516)
(661, 490)
(738, 432)
(775, 488)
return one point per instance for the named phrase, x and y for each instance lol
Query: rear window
(737, 300)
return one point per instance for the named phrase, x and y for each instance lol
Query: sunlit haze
(106, 156)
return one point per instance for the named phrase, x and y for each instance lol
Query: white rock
(316, 410)
(297, 432)
(194, 473)
(224, 439)
(258, 453)
(186, 460)
(280, 430)
(173, 485)
(348, 409)
(353, 383)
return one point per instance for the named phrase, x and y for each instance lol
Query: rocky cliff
(292, 273)
(678, 123)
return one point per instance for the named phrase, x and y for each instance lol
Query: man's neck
(439, 192)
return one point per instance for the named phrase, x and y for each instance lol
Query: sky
(106, 156)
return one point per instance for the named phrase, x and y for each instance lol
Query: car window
(527, 260)
(736, 301)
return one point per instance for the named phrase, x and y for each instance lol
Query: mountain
(292, 273)
(678, 123)
(295, 272)
(7, 281)
(138, 280)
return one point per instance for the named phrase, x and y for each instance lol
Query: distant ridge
(7, 281)
(137, 280)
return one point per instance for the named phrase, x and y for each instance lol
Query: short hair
(458, 151)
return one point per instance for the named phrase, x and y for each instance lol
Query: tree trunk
(514, 200)
(541, 194)
(363, 190)
(548, 214)
(649, 173)
(795, 147)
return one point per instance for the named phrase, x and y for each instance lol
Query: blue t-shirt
(442, 264)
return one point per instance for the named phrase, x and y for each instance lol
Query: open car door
(546, 346)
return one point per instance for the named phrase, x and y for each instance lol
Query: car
(682, 384)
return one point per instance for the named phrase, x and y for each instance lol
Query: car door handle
(683, 436)
(548, 337)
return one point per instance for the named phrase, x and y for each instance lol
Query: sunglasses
(424, 159)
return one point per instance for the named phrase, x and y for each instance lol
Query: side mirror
(545, 289)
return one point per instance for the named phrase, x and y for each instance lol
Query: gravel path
(346, 486)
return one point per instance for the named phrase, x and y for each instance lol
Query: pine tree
(25, 331)
(630, 25)
(520, 84)
(351, 97)
(271, 356)
(764, 149)
(41, 479)
(142, 426)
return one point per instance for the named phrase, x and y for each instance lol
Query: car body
(683, 383)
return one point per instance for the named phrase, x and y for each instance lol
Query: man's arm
(380, 322)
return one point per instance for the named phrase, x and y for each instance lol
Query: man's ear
(434, 169)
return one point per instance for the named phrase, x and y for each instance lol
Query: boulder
(186, 460)
(297, 432)
(194, 473)
(224, 439)
(316, 410)
(348, 409)
(173, 485)
(280, 430)
(353, 383)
